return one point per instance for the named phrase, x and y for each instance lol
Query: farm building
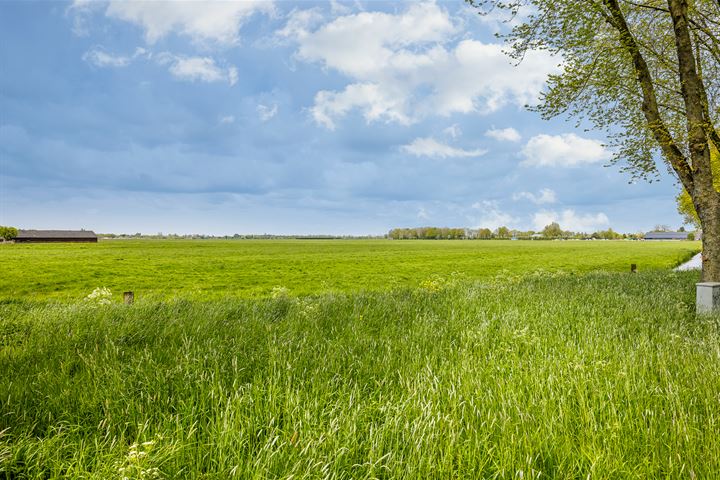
(43, 236)
(666, 236)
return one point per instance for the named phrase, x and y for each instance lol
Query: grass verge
(545, 376)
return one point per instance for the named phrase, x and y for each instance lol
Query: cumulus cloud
(203, 69)
(570, 220)
(429, 147)
(491, 215)
(375, 102)
(266, 113)
(504, 134)
(546, 195)
(566, 150)
(204, 22)
(405, 66)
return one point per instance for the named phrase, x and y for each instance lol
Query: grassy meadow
(536, 360)
(206, 269)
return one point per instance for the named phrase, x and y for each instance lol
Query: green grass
(603, 375)
(215, 269)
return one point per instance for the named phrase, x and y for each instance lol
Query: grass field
(604, 375)
(214, 269)
(432, 360)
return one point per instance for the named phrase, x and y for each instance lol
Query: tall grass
(548, 376)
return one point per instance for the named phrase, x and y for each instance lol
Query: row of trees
(551, 231)
(427, 233)
(8, 233)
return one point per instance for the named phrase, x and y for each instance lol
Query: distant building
(666, 236)
(47, 236)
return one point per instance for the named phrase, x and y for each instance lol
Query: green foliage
(218, 268)
(503, 232)
(8, 233)
(608, 234)
(518, 376)
(553, 230)
(484, 233)
(427, 233)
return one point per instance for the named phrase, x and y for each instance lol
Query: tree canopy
(8, 233)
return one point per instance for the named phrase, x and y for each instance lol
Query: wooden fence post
(129, 297)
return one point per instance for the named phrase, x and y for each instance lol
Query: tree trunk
(710, 220)
(705, 198)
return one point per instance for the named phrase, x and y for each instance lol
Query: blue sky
(290, 118)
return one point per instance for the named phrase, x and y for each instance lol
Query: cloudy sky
(262, 117)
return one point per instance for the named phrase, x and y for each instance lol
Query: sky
(251, 117)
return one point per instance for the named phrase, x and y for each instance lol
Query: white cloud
(203, 22)
(429, 147)
(453, 131)
(569, 220)
(422, 214)
(98, 57)
(492, 216)
(566, 150)
(81, 12)
(406, 66)
(227, 119)
(546, 195)
(337, 8)
(504, 134)
(266, 113)
(203, 69)
(299, 22)
(374, 102)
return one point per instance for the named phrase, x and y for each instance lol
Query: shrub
(8, 233)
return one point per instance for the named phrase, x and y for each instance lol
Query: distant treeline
(237, 236)
(550, 232)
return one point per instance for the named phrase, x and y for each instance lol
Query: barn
(666, 236)
(46, 236)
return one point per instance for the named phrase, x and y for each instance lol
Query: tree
(662, 228)
(484, 233)
(553, 230)
(503, 232)
(8, 233)
(647, 72)
(684, 201)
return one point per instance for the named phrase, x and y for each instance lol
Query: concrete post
(129, 297)
(708, 297)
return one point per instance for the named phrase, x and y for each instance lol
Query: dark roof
(666, 236)
(56, 234)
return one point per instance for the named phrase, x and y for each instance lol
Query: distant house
(44, 236)
(666, 236)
